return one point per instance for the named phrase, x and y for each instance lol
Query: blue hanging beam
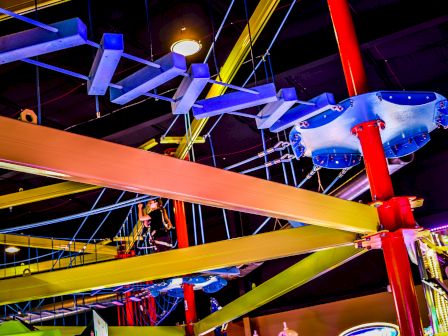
(235, 101)
(321, 103)
(128, 56)
(190, 88)
(287, 97)
(106, 61)
(28, 20)
(148, 78)
(36, 41)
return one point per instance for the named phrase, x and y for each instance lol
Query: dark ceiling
(404, 45)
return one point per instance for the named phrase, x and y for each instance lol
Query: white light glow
(12, 249)
(186, 47)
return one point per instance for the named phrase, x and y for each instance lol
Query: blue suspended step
(287, 97)
(37, 41)
(322, 103)
(235, 101)
(190, 88)
(106, 61)
(148, 78)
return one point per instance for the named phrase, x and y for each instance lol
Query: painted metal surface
(148, 78)
(36, 41)
(257, 22)
(105, 63)
(394, 212)
(297, 275)
(123, 331)
(235, 101)
(287, 97)
(326, 137)
(51, 152)
(174, 263)
(56, 244)
(190, 88)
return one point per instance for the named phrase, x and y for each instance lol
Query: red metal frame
(395, 212)
(182, 241)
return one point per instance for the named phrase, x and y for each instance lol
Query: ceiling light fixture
(186, 44)
(12, 249)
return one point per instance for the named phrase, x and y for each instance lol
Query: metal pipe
(395, 212)
(28, 20)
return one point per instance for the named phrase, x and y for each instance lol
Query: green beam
(123, 331)
(304, 271)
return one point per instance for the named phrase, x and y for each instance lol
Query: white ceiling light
(186, 47)
(12, 249)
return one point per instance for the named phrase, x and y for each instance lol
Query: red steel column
(182, 241)
(129, 308)
(395, 212)
(354, 72)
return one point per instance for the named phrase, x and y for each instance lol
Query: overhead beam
(55, 244)
(49, 265)
(297, 275)
(250, 34)
(122, 331)
(44, 151)
(174, 263)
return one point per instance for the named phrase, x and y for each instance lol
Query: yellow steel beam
(177, 140)
(56, 244)
(257, 22)
(45, 151)
(45, 266)
(26, 6)
(43, 193)
(297, 275)
(173, 263)
(54, 190)
(123, 331)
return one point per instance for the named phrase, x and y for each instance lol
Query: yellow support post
(233, 63)
(174, 263)
(297, 275)
(177, 140)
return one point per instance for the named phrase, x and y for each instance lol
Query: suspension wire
(82, 224)
(291, 164)
(309, 176)
(193, 157)
(262, 225)
(79, 215)
(250, 41)
(272, 42)
(215, 36)
(149, 30)
(268, 175)
(212, 49)
(169, 127)
(340, 175)
(224, 213)
(285, 175)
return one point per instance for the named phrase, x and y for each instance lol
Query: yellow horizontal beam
(25, 6)
(173, 263)
(54, 190)
(123, 331)
(43, 193)
(250, 34)
(177, 140)
(45, 266)
(56, 244)
(297, 275)
(49, 152)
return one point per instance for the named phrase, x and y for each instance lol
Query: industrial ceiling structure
(70, 185)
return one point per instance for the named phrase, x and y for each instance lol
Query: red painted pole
(129, 310)
(352, 65)
(182, 241)
(395, 212)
